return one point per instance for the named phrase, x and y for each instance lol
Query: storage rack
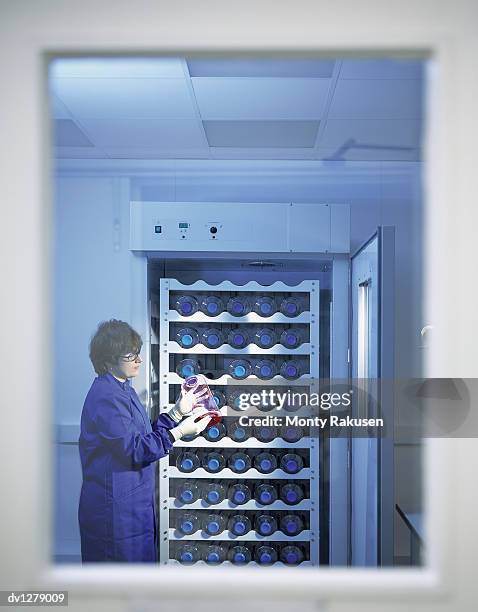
(168, 378)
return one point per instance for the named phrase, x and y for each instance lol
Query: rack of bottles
(240, 494)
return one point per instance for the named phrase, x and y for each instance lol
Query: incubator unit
(250, 297)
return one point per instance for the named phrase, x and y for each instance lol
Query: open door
(372, 363)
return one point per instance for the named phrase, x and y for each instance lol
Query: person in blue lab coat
(119, 446)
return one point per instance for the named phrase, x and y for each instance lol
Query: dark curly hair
(112, 339)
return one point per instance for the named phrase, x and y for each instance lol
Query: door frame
(385, 236)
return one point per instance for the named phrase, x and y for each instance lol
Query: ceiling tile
(376, 99)
(370, 139)
(57, 109)
(151, 133)
(253, 109)
(260, 67)
(67, 134)
(381, 69)
(117, 67)
(91, 97)
(265, 134)
(257, 98)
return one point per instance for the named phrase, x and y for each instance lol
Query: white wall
(96, 278)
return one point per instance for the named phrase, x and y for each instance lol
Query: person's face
(127, 366)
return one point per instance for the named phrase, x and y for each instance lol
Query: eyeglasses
(130, 357)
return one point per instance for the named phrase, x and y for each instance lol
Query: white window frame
(30, 53)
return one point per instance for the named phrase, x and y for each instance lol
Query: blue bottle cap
(266, 308)
(239, 497)
(187, 526)
(187, 339)
(265, 557)
(266, 339)
(291, 370)
(265, 496)
(213, 557)
(213, 527)
(239, 371)
(291, 307)
(239, 557)
(239, 433)
(266, 370)
(265, 528)
(213, 464)
(212, 307)
(186, 307)
(292, 432)
(291, 465)
(213, 497)
(187, 556)
(239, 464)
(187, 495)
(217, 399)
(213, 432)
(239, 527)
(291, 496)
(291, 526)
(237, 402)
(291, 339)
(292, 557)
(187, 464)
(187, 370)
(266, 464)
(238, 339)
(237, 307)
(213, 339)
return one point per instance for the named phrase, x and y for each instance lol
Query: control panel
(235, 227)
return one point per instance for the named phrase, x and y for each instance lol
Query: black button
(213, 229)
(157, 229)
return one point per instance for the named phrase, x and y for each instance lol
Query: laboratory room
(237, 248)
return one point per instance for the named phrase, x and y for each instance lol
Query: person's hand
(186, 403)
(192, 425)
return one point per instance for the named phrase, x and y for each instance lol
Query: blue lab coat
(118, 447)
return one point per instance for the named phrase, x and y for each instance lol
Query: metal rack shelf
(227, 411)
(173, 316)
(169, 350)
(306, 379)
(252, 536)
(174, 348)
(253, 504)
(304, 473)
(253, 563)
(249, 443)
(251, 286)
